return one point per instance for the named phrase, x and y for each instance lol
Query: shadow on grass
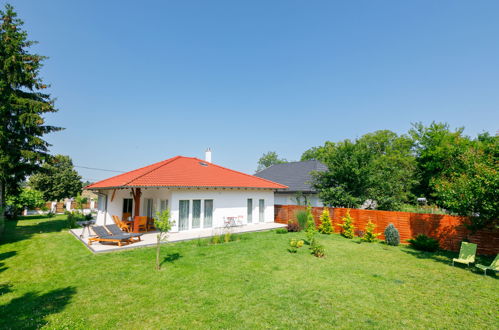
(5, 288)
(446, 257)
(15, 232)
(29, 311)
(171, 257)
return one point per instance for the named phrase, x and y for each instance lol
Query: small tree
(310, 227)
(370, 235)
(163, 224)
(28, 198)
(326, 227)
(80, 201)
(347, 226)
(392, 236)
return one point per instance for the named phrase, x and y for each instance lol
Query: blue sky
(140, 81)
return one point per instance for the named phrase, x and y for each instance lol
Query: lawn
(48, 278)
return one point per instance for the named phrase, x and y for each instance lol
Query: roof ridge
(165, 162)
(253, 176)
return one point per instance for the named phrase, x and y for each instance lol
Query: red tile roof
(182, 171)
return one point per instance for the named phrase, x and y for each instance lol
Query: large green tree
(470, 186)
(437, 150)
(268, 159)
(22, 106)
(378, 167)
(57, 179)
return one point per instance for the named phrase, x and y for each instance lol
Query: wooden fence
(449, 230)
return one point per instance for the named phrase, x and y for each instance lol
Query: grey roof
(295, 175)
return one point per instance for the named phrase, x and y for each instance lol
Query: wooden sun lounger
(104, 236)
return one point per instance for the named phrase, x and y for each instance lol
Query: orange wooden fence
(449, 230)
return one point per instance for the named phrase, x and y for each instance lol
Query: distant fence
(449, 230)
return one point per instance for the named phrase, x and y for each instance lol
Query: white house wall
(226, 203)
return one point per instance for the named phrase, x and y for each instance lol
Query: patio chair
(104, 236)
(493, 266)
(115, 230)
(139, 223)
(123, 225)
(466, 254)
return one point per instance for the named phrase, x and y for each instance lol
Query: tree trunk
(158, 247)
(2, 206)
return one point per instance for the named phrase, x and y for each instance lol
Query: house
(298, 177)
(198, 193)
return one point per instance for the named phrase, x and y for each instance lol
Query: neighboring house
(198, 193)
(297, 176)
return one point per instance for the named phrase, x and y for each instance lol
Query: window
(261, 210)
(196, 213)
(183, 217)
(250, 210)
(208, 213)
(163, 205)
(127, 205)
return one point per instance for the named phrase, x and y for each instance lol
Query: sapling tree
(80, 201)
(370, 235)
(347, 226)
(326, 227)
(163, 224)
(310, 226)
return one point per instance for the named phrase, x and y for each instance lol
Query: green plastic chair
(493, 266)
(466, 254)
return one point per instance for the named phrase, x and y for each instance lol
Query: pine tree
(22, 106)
(326, 227)
(370, 235)
(310, 229)
(348, 226)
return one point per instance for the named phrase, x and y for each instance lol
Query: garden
(48, 279)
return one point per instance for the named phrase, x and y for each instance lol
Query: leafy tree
(80, 201)
(28, 198)
(268, 159)
(57, 179)
(163, 224)
(378, 166)
(22, 106)
(470, 187)
(437, 150)
(326, 227)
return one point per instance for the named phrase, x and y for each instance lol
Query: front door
(183, 217)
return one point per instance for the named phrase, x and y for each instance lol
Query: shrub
(370, 235)
(347, 228)
(73, 218)
(326, 227)
(50, 214)
(318, 251)
(293, 226)
(301, 217)
(392, 236)
(300, 243)
(310, 226)
(281, 231)
(424, 243)
(227, 237)
(215, 239)
(88, 216)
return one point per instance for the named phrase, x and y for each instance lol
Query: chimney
(207, 155)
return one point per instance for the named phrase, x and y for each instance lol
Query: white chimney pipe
(207, 155)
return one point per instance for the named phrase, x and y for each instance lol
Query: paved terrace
(149, 239)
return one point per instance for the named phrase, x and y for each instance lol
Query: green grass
(48, 278)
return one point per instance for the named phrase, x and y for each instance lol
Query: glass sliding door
(250, 210)
(149, 208)
(196, 213)
(261, 210)
(183, 215)
(208, 213)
